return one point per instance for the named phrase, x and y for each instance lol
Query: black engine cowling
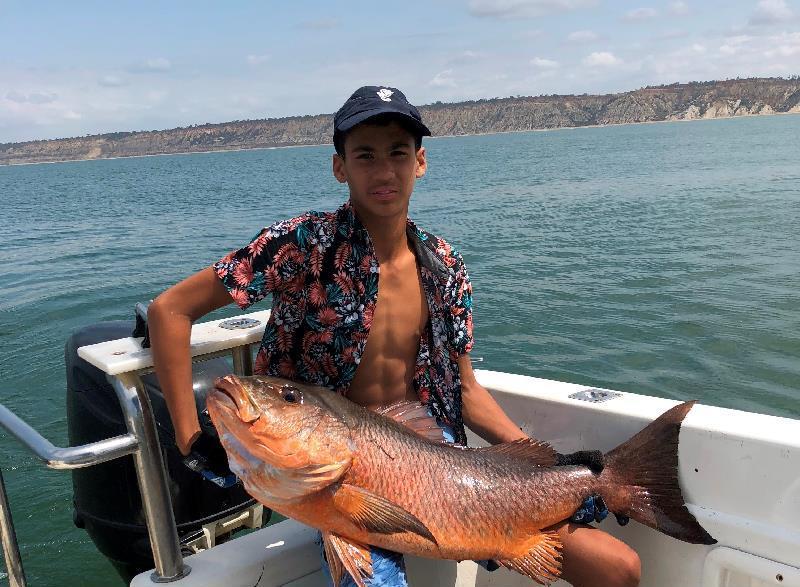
(106, 497)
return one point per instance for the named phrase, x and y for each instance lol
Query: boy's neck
(388, 235)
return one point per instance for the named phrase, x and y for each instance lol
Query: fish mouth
(235, 413)
(231, 394)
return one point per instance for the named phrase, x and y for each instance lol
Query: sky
(87, 67)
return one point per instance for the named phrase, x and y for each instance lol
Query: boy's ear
(422, 162)
(338, 168)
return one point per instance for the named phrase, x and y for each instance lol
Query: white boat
(739, 472)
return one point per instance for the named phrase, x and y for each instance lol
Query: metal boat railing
(141, 441)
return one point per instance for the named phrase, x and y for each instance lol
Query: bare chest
(402, 310)
(386, 369)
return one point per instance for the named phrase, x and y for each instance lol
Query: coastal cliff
(695, 100)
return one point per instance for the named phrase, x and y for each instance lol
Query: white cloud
(678, 8)
(771, 12)
(156, 65)
(524, 8)
(466, 57)
(544, 63)
(31, 115)
(728, 57)
(156, 96)
(640, 14)
(582, 36)
(443, 79)
(735, 44)
(784, 45)
(111, 81)
(257, 59)
(32, 98)
(672, 34)
(602, 59)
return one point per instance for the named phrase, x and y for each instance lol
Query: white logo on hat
(385, 94)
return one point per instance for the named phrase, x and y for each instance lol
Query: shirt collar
(428, 256)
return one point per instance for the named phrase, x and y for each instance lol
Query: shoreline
(260, 148)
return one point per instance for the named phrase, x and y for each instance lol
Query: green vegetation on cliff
(716, 99)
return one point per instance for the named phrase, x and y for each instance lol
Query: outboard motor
(106, 497)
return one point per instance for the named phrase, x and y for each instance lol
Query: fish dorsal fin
(415, 417)
(374, 513)
(345, 555)
(542, 563)
(532, 450)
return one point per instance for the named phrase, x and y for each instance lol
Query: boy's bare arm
(169, 320)
(481, 412)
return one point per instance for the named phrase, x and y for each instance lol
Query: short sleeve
(275, 258)
(460, 307)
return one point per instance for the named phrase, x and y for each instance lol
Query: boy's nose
(384, 169)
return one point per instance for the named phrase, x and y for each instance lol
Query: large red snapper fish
(386, 479)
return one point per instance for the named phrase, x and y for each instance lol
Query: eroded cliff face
(674, 102)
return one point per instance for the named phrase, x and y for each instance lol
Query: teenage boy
(331, 324)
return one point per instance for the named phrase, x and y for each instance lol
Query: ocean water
(662, 259)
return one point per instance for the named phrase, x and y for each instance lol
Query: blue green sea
(661, 259)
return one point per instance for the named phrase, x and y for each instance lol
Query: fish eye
(291, 394)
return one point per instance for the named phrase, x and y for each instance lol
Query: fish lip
(229, 389)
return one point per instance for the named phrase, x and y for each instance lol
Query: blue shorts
(388, 568)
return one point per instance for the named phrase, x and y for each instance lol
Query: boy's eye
(364, 156)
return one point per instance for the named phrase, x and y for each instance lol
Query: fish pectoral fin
(345, 555)
(415, 417)
(534, 451)
(374, 513)
(542, 563)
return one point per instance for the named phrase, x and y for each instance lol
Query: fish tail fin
(640, 479)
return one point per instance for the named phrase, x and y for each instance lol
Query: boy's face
(380, 165)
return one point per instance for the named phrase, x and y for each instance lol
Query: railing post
(152, 479)
(16, 574)
(242, 360)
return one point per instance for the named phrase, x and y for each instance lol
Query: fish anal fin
(345, 555)
(374, 513)
(415, 417)
(532, 450)
(542, 563)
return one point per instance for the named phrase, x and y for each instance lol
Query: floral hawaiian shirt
(322, 271)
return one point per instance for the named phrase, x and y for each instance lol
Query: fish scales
(463, 496)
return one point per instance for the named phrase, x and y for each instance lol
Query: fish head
(282, 439)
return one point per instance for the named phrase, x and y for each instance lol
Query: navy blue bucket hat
(371, 101)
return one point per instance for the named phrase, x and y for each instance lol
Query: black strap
(590, 458)
(141, 330)
(141, 324)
